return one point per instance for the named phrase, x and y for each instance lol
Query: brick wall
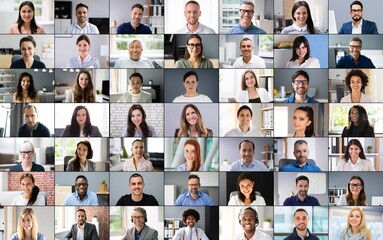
(119, 112)
(44, 180)
(102, 217)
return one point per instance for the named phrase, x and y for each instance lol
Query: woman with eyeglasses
(26, 23)
(27, 155)
(31, 195)
(246, 192)
(356, 82)
(301, 55)
(355, 195)
(354, 158)
(27, 227)
(81, 161)
(358, 124)
(303, 22)
(303, 122)
(356, 228)
(194, 54)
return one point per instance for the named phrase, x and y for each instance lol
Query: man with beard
(244, 116)
(81, 196)
(354, 59)
(300, 82)
(140, 229)
(137, 197)
(301, 220)
(301, 199)
(248, 60)
(82, 230)
(134, 26)
(193, 26)
(193, 196)
(248, 219)
(301, 153)
(32, 127)
(190, 232)
(358, 25)
(247, 163)
(82, 26)
(245, 25)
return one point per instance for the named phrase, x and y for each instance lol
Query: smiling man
(249, 221)
(244, 116)
(247, 163)
(134, 60)
(82, 229)
(245, 26)
(301, 153)
(140, 229)
(137, 197)
(82, 26)
(134, 26)
(301, 198)
(248, 60)
(193, 196)
(191, 231)
(358, 25)
(354, 59)
(300, 82)
(81, 197)
(32, 128)
(301, 220)
(192, 14)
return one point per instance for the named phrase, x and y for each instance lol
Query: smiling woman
(27, 226)
(301, 55)
(27, 46)
(192, 124)
(81, 161)
(84, 60)
(139, 160)
(303, 22)
(26, 23)
(31, 193)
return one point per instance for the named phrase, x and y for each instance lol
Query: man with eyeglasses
(134, 60)
(354, 59)
(193, 196)
(134, 26)
(82, 230)
(140, 229)
(192, 13)
(248, 60)
(245, 26)
(81, 197)
(32, 128)
(358, 25)
(300, 82)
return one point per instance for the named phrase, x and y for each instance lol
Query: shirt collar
(86, 25)
(199, 194)
(250, 165)
(78, 197)
(360, 24)
(296, 198)
(299, 28)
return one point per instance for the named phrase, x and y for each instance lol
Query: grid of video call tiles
(273, 120)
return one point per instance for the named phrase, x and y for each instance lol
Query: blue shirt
(255, 165)
(348, 62)
(308, 99)
(73, 199)
(295, 201)
(202, 199)
(89, 62)
(250, 30)
(126, 28)
(294, 167)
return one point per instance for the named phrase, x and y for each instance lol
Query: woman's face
(27, 223)
(82, 151)
(189, 153)
(250, 80)
(83, 80)
(191, 116)
(356, 84)
(136, 117)
(300, 120)
(354, 115)
(25, 82)
(26, 154)
(355, 186)
(191, 83)
(138, 149)
(83, 48)
(194, 47)
(300, 16)
(246, 187)
(354, 151)
(81, 117)
(26, 13)
(355, 218)
(27, 49)
(27, 185)
(301, 51)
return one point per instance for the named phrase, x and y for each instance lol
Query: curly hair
(190, 212)
(143, 125)
(20, 21)
(32, 93)
(76, 158)
(359, 73)
(86, 94)
(363, 118)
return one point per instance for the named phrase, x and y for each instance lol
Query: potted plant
(103, 186)
(267, 222)
(369, 149)
(94, 218)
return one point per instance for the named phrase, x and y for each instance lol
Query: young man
(193, 26)
(82, 26)
(247, 163)
(134, 26)
(301, 198)
(300, 82)
(358, 25)
(248, 60)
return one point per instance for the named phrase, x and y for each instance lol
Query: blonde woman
(356, 228)
(192, 123)
(27, 227)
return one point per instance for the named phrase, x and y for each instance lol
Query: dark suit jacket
(368, 27)
(90, 232)
(95, 132)
(147, 233)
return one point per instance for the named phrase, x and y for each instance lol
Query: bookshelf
(7, 82)
(334, 194)
(154, 15)
(172, 225)
(267, 121)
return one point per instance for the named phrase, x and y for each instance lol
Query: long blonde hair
(362, 226)
(20, 229)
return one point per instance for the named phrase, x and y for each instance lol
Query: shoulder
(13, 28)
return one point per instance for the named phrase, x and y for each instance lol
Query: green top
(185, 63)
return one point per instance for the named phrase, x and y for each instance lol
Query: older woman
(246, 192)
(356, 82)
(80, 125)
(356, 228)
(27, 227)
(137, 126)
(27, 47)
(354, 158)
(81, 161)
(192, 124)
(355, 195)
(83, 60)
(192, 154)
(191, 94)
(250, 90)
(358, 124)
(303, 22)
(82, 89)
(139, 161)
(26, 23)
(27, 155)
(301, 55)
(303, 122)
(31, 193)
(193, 54)
(25, 89)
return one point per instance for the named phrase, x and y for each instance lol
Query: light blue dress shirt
(73, 199)
(255, 165)
(89, 62)
(201, 200)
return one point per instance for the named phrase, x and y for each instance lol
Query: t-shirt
(147, 200)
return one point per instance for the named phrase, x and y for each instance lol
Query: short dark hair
(356, 3)
(81, 210)
(81, 5)
(192, 2)
(81, 176)
(83, 37)
(300, 210)
(247, 2)
(137, 5)
(190, 212)
(356, 39)
(298, 73)
(296, 44)
(300, 142)
(136, 74)
(244, 107)
(190, 73)
(359, 73)
(193, 176)
(136, 175)
(248, 141)
(245, 39)
(301, 177)
(27, 39)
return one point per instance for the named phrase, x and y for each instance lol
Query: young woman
(356, 226)
(354, 158)
(301, 55)
(81, 161)
(358, 124)
(193, 54)
(26, 23)
(303, 23)
(83, 60)
(355, 195)
(246, 192)
(27, 47)
(191, 94)
(31, 193)
(80, 125)
(83, 89)
(27, 227)
(137, 126)
(356, 82)
(192, 123)
(192, 154)
(27, 155)
(303, 122)
(139, 161)
(251, 92)
(25, 90)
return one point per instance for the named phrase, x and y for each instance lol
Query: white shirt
(21, 201)
(255, 62)
(258, 235)
(126, 62)
(355, 29)
(342, 200)
(184, 234)
(89, 28)
(80, 232)
(201, 29)
(237, 132)
(363, 98)
(199, 98)
(234, 200)
(309, 63)
(144, 165)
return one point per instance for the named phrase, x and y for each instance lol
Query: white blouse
(234, 200)
(144, 165)
(309, 63)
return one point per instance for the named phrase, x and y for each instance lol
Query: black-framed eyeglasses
(26, 152)
(194, 185)
(192, 45)
(356, 10)
(303, 82)
(243, 11)
(356, 46)
(354, 185)
(81, 184)
(137, 217)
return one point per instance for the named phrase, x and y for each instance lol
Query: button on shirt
(80, 232)
(255, 165)
(202, 199)
(295, 201)
(294, 167)
(357, 29)
(73, 199)
(89, 62)
(76, 29)
(354, 167)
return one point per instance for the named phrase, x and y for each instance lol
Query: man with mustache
(191, 231)
(194, 196)
(300, 82)
(358, 25)
(301, 153)
(301, 199)
(301, 220)
(82, 229)
(137, 197)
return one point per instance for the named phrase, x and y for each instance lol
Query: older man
(134, 60)
(354, 59)
(140, 229)
(245, 26)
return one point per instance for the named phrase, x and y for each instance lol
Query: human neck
(192, 28)
(244, 128)
(299, 134)
(301, 25)
(354, 230)
(139, 228)
(81, 196)
(244, 25)
(81, 25)
(136, 91)
(302, 198)
(300, 98)
(193, 130)
(249, 235)
(357, 23)
(301, 233)
(356, 96)
(135, 26)
(246, 59)
(188, 166)
(83, 162)
(193, 195)
(137, 198)
(191, 94)
(354, 159)
(83, 56)
(26, 165)
(82, 126)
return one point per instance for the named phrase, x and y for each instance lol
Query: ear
(308, 123)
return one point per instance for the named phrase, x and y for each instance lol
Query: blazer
(90, 232)
(243, 96)
(145, 97)
(90, 165)
(95, 132)
(368, 27)
(365, 165)
(147, 233)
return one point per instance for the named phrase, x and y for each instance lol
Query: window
(153, 45)
(266, 45)
(43, 9)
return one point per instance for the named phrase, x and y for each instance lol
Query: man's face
(190, 221)
(82, 14)
(81, 186)
(135, 50)
(138, 219)
(244, 118)
(246, 48)
(246, 152)
(302, 188)
(355, 48)
(136, 185)
(300, 85)
(356, 12)
(246, 13)
(301, 220)
(301, 153)
(248, 221)
(136, 16)
(30, 117)
(192, 13)
(81, 218)
(193, 185)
